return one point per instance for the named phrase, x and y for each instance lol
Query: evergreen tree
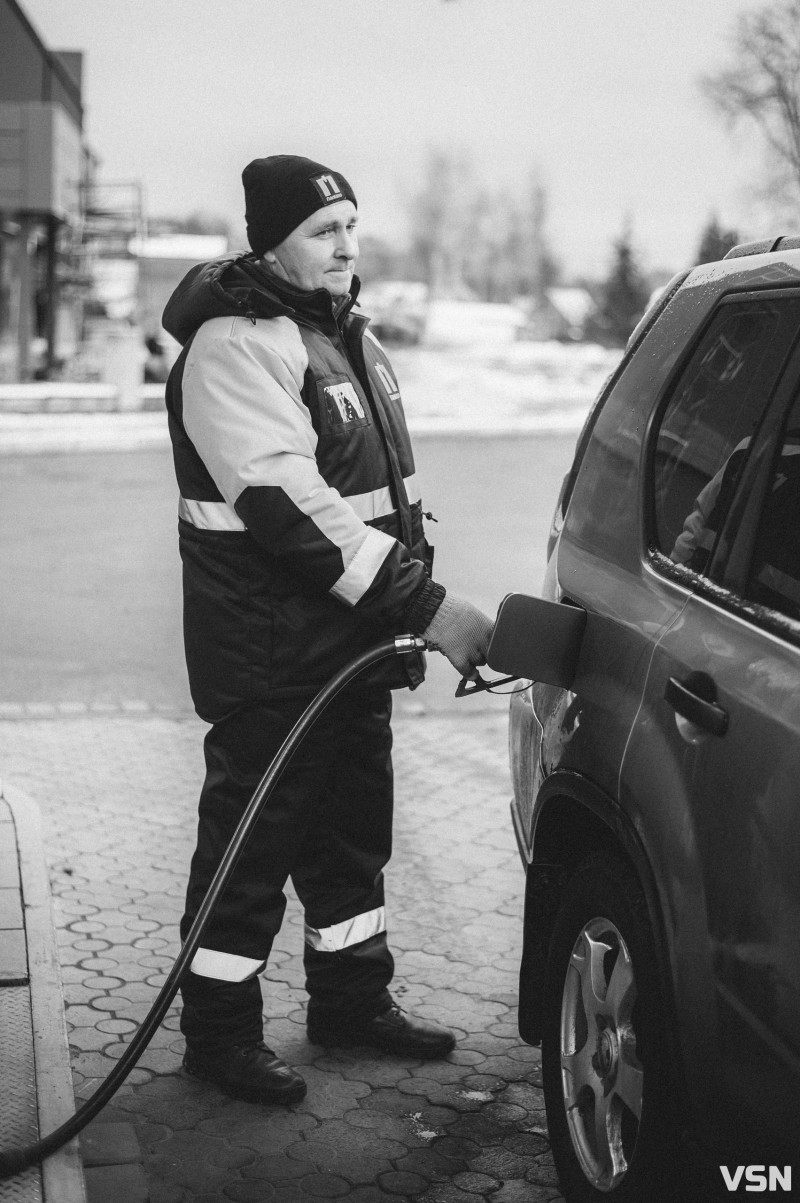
(715, 242)
(623, 296)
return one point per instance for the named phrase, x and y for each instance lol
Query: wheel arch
(575, 817)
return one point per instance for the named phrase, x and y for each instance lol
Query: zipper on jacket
(247, 306)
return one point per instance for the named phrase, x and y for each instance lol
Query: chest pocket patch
(342, 407)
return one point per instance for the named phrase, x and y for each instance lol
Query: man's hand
(461, 632)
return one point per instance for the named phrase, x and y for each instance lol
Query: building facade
(44, 171)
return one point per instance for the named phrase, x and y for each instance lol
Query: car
(399, 310)
(656, 767)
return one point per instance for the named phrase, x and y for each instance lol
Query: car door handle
(695, 700)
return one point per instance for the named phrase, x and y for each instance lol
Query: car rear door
(718, 732)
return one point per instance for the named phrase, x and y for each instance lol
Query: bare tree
(468, 238)
(439, 211)
(762, 83)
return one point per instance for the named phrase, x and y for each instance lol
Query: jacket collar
(242, 286)
(317, 305)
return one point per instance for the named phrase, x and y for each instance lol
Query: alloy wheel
(602, 1077)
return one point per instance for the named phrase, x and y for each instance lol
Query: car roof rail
(784, 242)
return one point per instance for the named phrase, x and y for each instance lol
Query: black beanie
(281, 191)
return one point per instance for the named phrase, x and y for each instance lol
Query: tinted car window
(706, 431)
(774, 578)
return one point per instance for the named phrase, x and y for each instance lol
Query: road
(90, 587)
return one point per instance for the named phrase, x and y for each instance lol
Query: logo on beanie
(327, 187)
(342, 403)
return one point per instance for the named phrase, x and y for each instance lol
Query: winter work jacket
(300, 519)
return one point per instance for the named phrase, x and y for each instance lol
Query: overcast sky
(601, 97)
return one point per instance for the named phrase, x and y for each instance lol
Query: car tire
(608, 1088)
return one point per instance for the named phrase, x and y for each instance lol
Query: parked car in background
(657, 793)
(398, 310)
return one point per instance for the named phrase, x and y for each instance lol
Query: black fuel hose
(14, 1161)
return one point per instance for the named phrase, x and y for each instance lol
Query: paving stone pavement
(118, 797)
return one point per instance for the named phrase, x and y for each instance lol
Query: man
(302, 545)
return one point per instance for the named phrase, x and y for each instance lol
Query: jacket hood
(242, 288)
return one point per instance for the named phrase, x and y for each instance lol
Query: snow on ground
(521, 387)
(490, 387)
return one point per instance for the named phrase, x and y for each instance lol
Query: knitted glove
(461, 632)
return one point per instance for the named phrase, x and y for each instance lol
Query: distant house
(454, 323)
(560, 313)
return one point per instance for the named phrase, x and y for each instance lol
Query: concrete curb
(105, 1161)
(62, 1174)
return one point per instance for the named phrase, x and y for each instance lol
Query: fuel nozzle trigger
(467, 686)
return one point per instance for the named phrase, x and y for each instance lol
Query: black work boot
(247, 1071)
(392, 1030)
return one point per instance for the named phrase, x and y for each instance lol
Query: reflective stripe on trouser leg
(348, 967)
(221, 1000)
(351, 931)
(225, 966)
(350, 984)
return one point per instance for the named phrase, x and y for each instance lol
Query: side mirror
(536, 639)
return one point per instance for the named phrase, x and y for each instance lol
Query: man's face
(321, 252)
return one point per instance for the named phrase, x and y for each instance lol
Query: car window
(648, 319)
(705, 434)
(774, 578)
